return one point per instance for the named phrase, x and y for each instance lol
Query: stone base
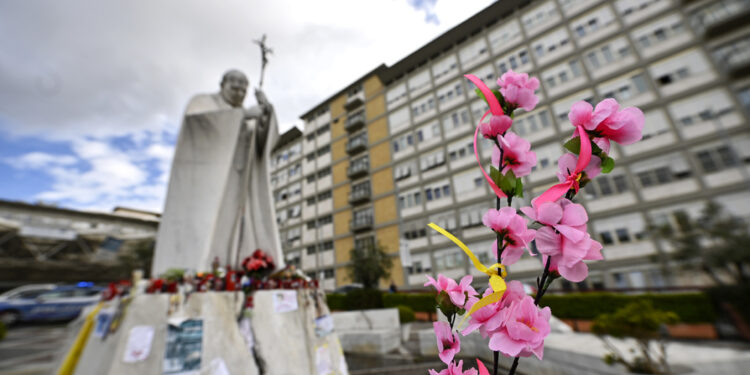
(368, 331)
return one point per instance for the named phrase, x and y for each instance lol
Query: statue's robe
(219, 200)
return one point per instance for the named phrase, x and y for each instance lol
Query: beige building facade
(391, 152)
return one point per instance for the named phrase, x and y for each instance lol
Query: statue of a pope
(219, 201)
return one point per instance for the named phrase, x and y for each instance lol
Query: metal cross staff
(264, 52)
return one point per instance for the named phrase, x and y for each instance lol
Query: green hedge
(336, 301)
(690, 307)
(405, 314)
(422, 302)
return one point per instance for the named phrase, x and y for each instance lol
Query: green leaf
(495, 175)
(480, 94)
(519, 187)
(596, 150)
(607, 165)
(573, 145)
(507, 184)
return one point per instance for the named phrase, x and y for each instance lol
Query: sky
(92, 92)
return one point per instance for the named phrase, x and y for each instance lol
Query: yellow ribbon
(497, 282)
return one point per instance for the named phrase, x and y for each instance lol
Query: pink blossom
(447, 341)
(604, 121)
(518, 89)
(517, 154)
(524, 331)
(514, 292)
(564, 237)
(567, 254)
(489, 318)
(566, 165)
(498, 125)
(512, 229)
(455, 369)
(456, 292)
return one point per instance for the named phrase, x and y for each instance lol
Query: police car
(47, 302)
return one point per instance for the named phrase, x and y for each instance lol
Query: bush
(690, 307)
(405, 314)
(335, 301)
(363, 299)
(422, 302)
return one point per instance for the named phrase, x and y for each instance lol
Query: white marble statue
(219, 201)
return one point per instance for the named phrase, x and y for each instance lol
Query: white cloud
(40, 160)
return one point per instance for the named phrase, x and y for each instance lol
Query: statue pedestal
(284, 342)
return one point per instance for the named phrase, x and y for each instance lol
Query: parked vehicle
(45, 303)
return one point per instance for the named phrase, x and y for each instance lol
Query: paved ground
(30, 349)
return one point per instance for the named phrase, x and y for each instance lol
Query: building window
(328, 219)
(717, 159)
(324, 195)
(622, 235)
(606, 238)
(324, 172)
(326, 245)
(311, 250)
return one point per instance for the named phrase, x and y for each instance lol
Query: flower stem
(500, 248)
(542, 286)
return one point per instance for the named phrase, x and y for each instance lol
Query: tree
(369, 265)
(716, 243)
(139, 256)
(641, 321)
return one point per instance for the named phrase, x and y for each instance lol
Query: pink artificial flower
(604, 121)
(567, 254)
(488, 318)
(447, 341)
(517, 154)
(564, 237)
(514, 292)
(512, 228)
(457, 292)
(524, 330)
(455, 369)
(566, 165)
(498, 125)
(518, 89)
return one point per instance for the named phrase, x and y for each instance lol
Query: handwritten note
(139, 344)
(285, 301)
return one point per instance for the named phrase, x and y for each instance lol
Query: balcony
(363, 222)
(355, 121)
(354, 100)
(356, 144)
(358, 169)
(360, 194)
(721, 17)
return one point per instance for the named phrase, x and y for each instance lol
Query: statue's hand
(261, 97)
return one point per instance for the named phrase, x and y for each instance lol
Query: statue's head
(234, 87)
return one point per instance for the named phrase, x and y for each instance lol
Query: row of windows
(323, 246)
(319, 198)
(320, 152)
(437, 192)
(319, 222)
(318, 132)
(320, 174)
